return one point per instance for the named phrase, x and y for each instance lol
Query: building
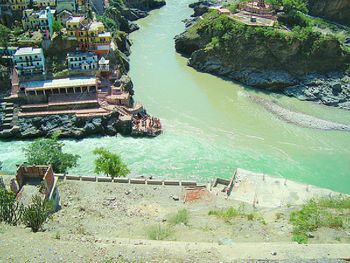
(38, 20)
(83, 60)
(36, 180)
(19, 5)
(29, 61)
(103, 65)
(69, 5)
(63, 16)
(39, 4)
(91, 36)
(73, 26)
(70, 85)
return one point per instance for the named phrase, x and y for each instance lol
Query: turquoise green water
(210, 125)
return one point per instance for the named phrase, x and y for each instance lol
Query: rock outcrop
(335, 10)
(70, 126)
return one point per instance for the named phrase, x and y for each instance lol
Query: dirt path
(298, 118)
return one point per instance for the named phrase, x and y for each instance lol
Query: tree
(37, 213)
(49, 152)
(56, 26)
(4, 35)
(109, 163)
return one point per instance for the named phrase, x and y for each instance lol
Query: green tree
(56, 26)
(49, 152)
(4, 35)
(109, 163)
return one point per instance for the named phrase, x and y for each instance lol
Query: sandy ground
(109, 222)
(298, 118)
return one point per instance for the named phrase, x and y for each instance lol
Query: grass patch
(331, 212)
(231, 213)
(57, 235)
(226, 215)
(159, 232)
(181, 217)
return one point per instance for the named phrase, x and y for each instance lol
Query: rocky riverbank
(297, 118)
(307, 65)
(69, 126)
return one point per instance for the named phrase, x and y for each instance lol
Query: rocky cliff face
(335, 10)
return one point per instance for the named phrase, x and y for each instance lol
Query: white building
(29, 61)
(83, 61)
(103, 64)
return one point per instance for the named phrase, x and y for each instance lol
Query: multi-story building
(69, 5)
(44, 3)
(38, 20)
(63, 16)
(73, 26)
(19, 5)
(82, 60)
(29, 61)
(91, 36)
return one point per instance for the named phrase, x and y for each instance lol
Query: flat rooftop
(75, 19)
(27, 51)
(60, 83)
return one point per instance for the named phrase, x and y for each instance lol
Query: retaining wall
(123, 180)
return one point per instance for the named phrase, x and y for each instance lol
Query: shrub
(159, 232)
(37, 213)
(318, 213)
(109, 163)
(10, 209)
(180, 217)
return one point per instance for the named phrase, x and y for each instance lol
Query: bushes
(161, 232)
(10, 209)
(37, 213)
(181, 217)
(325, 212)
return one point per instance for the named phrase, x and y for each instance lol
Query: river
(210, 125)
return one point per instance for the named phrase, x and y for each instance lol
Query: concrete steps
(9, 116)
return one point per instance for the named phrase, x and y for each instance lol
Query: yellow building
(18, 5)
(73, 26)
(44, 3)
(90, 36)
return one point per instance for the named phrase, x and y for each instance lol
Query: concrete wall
(126, 180)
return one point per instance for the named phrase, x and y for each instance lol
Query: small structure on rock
(36, 180)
